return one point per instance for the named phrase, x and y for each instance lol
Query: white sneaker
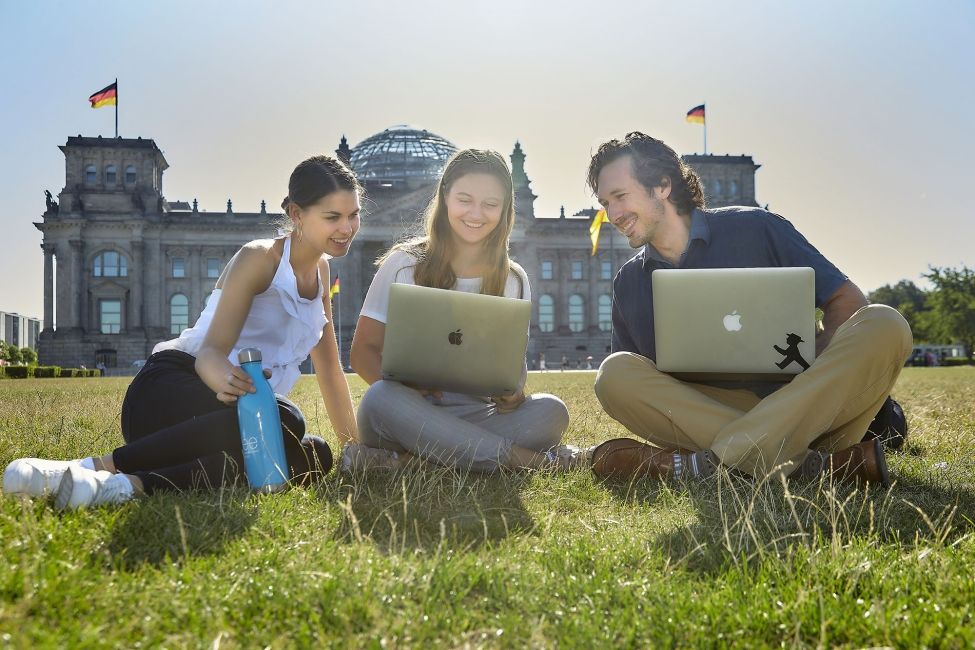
(85, 488)
(569, 456)
(356, 457)
(35, 477)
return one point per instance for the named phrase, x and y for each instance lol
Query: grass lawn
(432, 558)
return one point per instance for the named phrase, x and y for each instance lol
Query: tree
(952, 303)
(909, 300)
(12, 354)
(29, 356)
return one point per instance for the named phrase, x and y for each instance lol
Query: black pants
(180, 436)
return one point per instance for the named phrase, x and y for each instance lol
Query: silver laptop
(735, 323)
(455, 341)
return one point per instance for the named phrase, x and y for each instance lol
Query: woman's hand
(435, 393)
(234, 384)
(508, 403)
(238, 383)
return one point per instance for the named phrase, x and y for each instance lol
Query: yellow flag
(594, 227)
(335, 288)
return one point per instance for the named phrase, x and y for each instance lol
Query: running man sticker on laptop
(791, 353)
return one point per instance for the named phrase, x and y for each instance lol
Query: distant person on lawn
(179, 416)
(808, 427)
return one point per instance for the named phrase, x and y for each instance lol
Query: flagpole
(705, 129)
(116, 108)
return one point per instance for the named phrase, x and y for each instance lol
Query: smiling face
(475, 202)
(635, 211)
(330, 224)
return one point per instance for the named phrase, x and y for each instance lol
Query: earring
(297, 230)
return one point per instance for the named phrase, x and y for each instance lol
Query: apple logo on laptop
(732, 322)
(454, 338)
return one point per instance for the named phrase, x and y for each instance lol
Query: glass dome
(401, 155)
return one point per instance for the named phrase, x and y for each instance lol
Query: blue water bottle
(261, 438)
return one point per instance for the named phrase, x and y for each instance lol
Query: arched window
(110, 265)
(111, 175)
(546, 313)
(734, 189)
(605, 312)
(130, 175)
(179, 313)
(577, 314)
(91, 175)
(206, 299)
(717, 188)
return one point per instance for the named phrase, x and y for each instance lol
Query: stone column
(135, 308)
(48, 286)
(563, 266)
(195, 276)
(78, 283)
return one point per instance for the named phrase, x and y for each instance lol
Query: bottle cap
(249, 354)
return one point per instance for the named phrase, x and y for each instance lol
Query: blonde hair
(432, 249)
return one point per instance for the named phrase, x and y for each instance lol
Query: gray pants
(458, 429)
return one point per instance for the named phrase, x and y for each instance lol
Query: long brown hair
(432, 249)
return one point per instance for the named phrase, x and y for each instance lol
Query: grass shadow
(739, 520)
(743, 521)
(169, 526)
(423, 507)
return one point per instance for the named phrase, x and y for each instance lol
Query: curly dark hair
(652, 161)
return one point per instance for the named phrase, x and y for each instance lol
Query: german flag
(696, 114)
(335, 288)
(107, 96)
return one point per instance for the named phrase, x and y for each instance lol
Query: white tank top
(282, 324)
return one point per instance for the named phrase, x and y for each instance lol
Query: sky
(861, 114)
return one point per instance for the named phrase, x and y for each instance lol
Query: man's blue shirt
(735, 237)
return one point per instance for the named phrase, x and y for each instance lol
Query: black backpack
(889, 425)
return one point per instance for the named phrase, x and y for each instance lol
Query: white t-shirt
(398, 268)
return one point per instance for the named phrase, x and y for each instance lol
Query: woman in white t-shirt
(179, 416)
(464, 248)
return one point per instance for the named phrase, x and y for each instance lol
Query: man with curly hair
(810, 427)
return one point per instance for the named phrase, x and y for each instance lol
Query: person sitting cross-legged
(809, 427)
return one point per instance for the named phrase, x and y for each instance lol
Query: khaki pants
(827, 407)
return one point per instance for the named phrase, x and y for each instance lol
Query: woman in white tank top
(179, 418)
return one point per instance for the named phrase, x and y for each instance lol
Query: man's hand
(508, 403)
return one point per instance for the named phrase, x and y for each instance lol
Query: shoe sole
(65, 490)
(878, 448)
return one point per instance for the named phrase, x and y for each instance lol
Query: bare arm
(367, 354)
(367, 349)
(331, 378)
(844, 302)
(249, 273)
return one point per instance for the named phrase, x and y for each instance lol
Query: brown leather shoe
(627, 458)
(864, 462)
(861, 462)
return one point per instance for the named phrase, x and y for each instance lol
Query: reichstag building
(124, 268)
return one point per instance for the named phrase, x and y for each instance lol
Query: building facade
(124, 268)
(18, 330)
